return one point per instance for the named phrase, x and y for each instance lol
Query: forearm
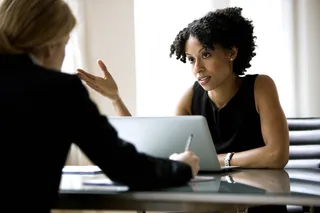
(259, 158)
(120, 108)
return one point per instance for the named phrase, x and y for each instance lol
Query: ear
(48, 51)
(233, 53)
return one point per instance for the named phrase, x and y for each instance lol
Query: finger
(88, 75)
(94, 87)
(85, 78)
(104, 69)
(84, 73)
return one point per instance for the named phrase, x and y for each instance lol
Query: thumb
(104, 69)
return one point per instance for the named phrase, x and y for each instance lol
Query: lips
(204, 80)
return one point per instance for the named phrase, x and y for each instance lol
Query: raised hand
(106, 85)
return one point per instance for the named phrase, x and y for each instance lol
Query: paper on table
(81, 170)
(100, 182)
(202, 178)
(108, 182)
(110, 185)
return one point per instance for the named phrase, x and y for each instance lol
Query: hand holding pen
(188, 157)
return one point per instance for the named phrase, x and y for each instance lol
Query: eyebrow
(198, 51)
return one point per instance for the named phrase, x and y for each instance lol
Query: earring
(231, 59)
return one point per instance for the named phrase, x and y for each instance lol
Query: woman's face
(211, 68)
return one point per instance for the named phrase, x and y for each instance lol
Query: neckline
(214, 106)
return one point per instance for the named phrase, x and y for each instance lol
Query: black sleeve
(118, 159)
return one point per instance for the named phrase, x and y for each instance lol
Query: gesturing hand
(106, 86)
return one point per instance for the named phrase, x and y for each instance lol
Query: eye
(191, 60)
(206, 55)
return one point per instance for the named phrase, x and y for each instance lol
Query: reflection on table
(240, 188)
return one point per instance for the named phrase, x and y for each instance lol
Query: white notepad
(100, 182)
(81, 170)
(108, 182)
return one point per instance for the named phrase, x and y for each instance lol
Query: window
(273, 51)
(162, 80)
(75, 49)
(69, 65)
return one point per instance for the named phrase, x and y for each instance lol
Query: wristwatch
(227, 158)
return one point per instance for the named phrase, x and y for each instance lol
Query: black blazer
(42, 113)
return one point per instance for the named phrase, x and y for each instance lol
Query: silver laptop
(163, 136)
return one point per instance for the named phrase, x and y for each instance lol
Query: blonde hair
(26, 25)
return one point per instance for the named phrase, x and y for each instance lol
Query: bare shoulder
(184, 104)
(263, 82)
(265, 90)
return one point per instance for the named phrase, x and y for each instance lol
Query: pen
(189, 142)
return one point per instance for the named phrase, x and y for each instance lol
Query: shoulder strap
(247, 93)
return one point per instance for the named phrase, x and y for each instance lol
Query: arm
(184, 104)
(275, 153)
(120, 108)
(118, 159)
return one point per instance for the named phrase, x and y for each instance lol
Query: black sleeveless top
(235, 127)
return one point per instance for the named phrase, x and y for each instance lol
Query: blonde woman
(43, 111)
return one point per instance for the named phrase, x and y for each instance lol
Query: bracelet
(227, 158)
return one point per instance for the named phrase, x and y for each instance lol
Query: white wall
(110, 37)
(108, 34)
(162, 80)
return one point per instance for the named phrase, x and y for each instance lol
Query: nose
(198, 67)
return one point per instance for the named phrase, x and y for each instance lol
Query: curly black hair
(226, 27)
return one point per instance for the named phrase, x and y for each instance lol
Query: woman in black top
(243, 112)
